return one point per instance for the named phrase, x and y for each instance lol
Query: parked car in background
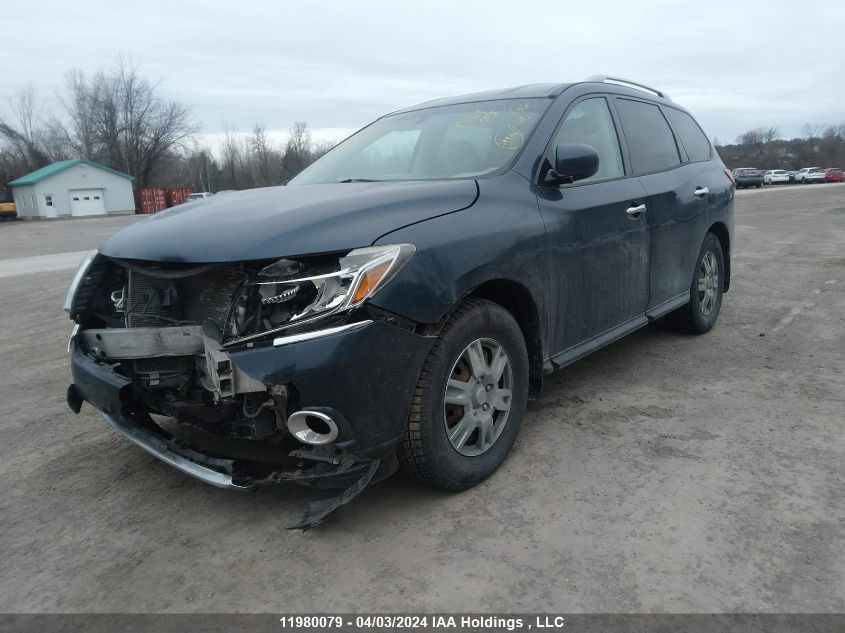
(748, 177)
(792, 173)
(775, 177)
(198, 196)
(833, 174)
(808, 175)
(400, 299)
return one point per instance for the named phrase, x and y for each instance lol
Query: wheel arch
(720, 230)
(518, 300)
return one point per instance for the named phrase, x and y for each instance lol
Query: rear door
(598, 248)
(677, 198)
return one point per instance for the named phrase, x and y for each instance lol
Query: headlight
(361, 273)
(291, 292)
(84, 265)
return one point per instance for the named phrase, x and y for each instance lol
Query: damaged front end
(264, 372)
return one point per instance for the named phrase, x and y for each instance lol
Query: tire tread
(412, 455)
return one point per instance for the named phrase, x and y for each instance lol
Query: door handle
(634, 212)
(701, 191)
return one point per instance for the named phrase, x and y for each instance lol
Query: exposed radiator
(149, 300)
(154, 302)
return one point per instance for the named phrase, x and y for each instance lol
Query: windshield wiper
(358, 180)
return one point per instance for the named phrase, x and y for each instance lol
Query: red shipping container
(150, 200)
(177, 195)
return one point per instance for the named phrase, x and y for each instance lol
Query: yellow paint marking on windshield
(522, 107)
(479, 117)
(509, 137)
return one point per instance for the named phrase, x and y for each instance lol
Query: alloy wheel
(477, 398)
(708, 283)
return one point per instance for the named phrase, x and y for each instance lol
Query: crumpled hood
(286, 221)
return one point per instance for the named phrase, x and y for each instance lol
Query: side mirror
(573, 161)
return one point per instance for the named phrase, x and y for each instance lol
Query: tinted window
(590, 123)
(692, 138)
(649, 137)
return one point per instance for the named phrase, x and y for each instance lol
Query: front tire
(469, 401)
(700, 314)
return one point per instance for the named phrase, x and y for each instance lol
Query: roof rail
(627, 82)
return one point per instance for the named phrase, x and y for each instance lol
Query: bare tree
(20, 133)
(297, 150)
(321, 147)
(118, 119)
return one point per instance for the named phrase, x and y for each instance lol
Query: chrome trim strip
(157, 447)
(78, 276)
(308, 336)
(73, 334)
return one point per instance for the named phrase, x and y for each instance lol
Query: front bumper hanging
(233, 474)
(364, 372)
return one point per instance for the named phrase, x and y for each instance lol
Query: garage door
(87, 202)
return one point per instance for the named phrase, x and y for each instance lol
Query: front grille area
(152, 302)
(207, 296)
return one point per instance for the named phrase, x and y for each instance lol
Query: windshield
(454, 141)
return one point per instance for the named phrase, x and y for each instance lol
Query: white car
(205, 194)
(810, 174)
(775, 176)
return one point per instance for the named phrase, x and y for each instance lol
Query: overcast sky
(338, 65)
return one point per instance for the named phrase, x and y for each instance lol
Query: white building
(73, 188)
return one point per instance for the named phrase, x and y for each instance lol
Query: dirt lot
(664, 473)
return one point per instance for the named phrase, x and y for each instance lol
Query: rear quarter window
(651, 143)
(692, 138)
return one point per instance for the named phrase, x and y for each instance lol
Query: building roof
(54, 168)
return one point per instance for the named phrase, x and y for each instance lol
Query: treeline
(244, 162)
(117, 118)
(819, 146)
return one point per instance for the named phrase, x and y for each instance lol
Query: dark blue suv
(397, 303)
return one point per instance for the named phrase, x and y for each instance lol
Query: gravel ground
(664, 473)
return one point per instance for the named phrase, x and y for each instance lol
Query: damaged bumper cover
(363, 375)
(232, 474)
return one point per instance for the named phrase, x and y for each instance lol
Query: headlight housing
(292, 292)
(78, 277)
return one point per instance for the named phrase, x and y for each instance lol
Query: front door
(598, 242)
(87, 202)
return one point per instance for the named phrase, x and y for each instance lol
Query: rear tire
(452, 441)
(706, 290)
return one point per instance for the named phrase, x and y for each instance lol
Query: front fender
(502, 236)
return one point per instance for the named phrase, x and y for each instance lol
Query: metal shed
(76, 187)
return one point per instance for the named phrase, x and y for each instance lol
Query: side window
(590, 123)
(692, 138)
(649, 137)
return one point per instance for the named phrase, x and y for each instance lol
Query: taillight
(730, 177)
